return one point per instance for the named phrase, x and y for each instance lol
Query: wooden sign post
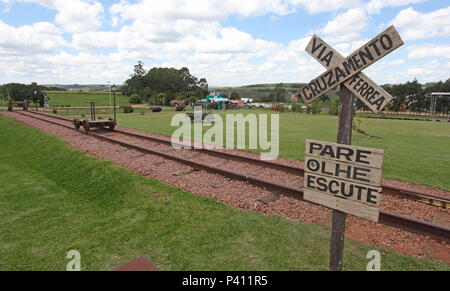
(340, 176)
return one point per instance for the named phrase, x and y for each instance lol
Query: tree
(325, 98)
(280, 93)
(135, 99)
(139, 69)
(192, 100)
(16, 91)
(408, 96)
(170, 81)
(235, 96)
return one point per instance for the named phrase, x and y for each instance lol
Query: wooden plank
(383, 44)
(339, 217)
(372, 95)
(344, 171)
(347, 206)
(366, 194)
(346, 153)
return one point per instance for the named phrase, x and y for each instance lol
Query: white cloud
(375, 6)
(211, 10)
(346, 26)
(42, 37)
(74, 15)
(416, 25)
(429, 51)
(192, 33)
(66, 68)
(317, 6)
(430, 71)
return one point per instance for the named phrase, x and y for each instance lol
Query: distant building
(176, 103)
(247, 100)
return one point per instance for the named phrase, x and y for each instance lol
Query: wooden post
(338, 220)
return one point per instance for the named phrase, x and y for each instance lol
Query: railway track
(163, 148)
(426, 198)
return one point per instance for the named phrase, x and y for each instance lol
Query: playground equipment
(434, 96)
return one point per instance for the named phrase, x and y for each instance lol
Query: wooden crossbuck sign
(344, 178)
(346, 71)
(339, 176)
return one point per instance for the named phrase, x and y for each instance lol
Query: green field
(415, 151)
(81, 99)
(55, 199)
(259, 90)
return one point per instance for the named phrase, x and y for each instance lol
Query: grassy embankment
(55, 199)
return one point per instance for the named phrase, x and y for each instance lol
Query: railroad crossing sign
(338, 175)
(347, 71)
(344, 178)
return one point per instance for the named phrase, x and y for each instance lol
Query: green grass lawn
(81, 99)
(415, 151)
(55, 199)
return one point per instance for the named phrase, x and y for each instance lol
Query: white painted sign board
(344, 177)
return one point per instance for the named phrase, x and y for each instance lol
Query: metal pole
(90, 108)
(115, 117)
(434, 107)
(338, 220)
(431, 105)
(110, 102)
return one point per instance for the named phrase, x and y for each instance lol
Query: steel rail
(388, 218)
(431, 199)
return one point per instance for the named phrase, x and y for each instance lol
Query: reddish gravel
(245, 196)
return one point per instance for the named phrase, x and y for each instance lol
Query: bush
(297, 108)
(214, 106)
(283, 108)
(135, 99)
(127, 109)
(316, 107)
(156, 108)
(180, 108)
(334, 108)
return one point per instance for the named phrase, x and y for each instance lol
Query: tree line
(160, 85)
(19, 92)
(415, 97)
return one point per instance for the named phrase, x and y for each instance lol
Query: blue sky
(230, 43)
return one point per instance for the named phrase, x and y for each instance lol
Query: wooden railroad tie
(269, 198)
(220, 185)
(187, 172)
